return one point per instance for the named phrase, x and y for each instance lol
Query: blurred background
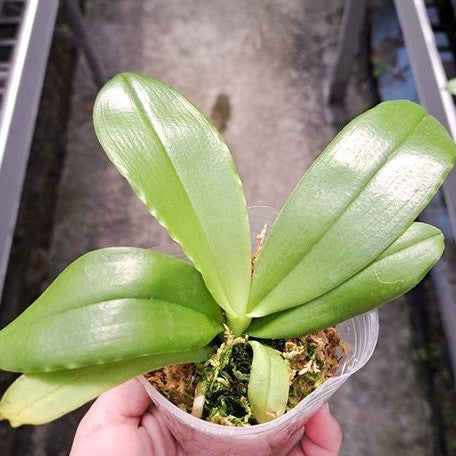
(278, 78)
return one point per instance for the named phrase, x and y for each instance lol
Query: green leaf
(181, 169)
(108, 305)
(268, 384)
(451, 86)
(358, 197)
(395, 271)
(43, 397)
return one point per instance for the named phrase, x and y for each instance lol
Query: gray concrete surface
(268, 59)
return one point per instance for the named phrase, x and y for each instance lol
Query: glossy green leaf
(43, 397)
(268, 383)
(179, 166)
(108, 305)
(395, 271)
(357, 198)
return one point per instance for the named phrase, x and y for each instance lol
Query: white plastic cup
(277, 437)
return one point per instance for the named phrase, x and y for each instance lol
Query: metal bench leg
(79, 28)
(339, 71)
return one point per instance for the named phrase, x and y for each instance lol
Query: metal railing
(22, 67)
(26, 30)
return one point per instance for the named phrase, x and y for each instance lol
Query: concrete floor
(257, 67)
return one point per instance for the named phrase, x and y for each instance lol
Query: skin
(122, 422)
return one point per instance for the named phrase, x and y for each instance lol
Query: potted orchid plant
(345, 242)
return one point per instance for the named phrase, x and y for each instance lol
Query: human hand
(323, 436)
(120, 423)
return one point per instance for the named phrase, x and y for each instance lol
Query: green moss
(217, 389)
(224, 384)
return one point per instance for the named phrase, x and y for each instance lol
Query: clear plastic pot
(277, 437)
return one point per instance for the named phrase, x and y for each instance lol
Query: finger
(310, 448)
(163, 441)
(129, 400)
(323, 435)
(295, 451)
(124, 404)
